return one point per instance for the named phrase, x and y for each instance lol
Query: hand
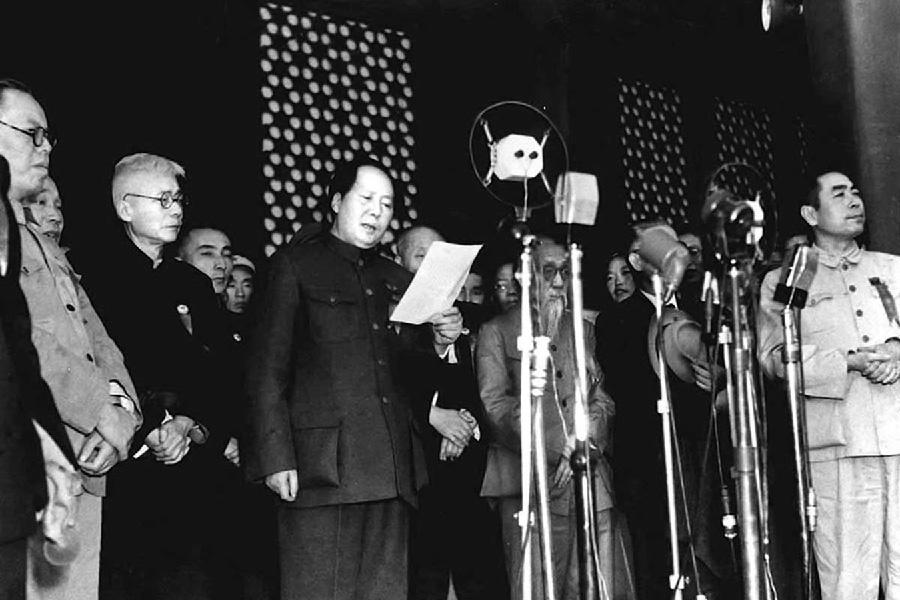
(97, 456)
(449, 450)
(117, 426)
(447, 327)
(703, 375)
(232, 452)
(563, 474)
(883, 372)
(450, 424)
(170, 442)
(859, 361)
(283, 483)
(890, 347)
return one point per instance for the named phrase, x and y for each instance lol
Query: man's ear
(810, 215)
(634, 259)
(336, 203)
(124, 211)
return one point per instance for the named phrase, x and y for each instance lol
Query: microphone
(660, 250)
(797, 276)
(711, 302)
(576, 199)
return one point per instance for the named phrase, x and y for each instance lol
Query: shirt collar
(652, 299)
(349, 252)
(833, 261)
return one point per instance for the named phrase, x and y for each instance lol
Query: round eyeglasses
(166, 199)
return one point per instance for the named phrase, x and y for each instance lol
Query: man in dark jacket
(24, 397)
(330, 422)
(164, 316)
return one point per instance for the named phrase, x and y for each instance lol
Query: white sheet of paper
(437, 282)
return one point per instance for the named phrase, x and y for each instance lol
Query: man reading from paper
(329, 418)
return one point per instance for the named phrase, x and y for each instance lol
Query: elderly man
(851, 365)
(498, 368)
(166, 318)
(330, 420)
(26, 405)
(453, 527)
(208, 250)
(46, 210)
(79, 361)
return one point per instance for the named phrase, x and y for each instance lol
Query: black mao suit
(327, 399)
(161, 522)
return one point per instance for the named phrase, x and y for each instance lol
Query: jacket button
(845, 266)
(70, 308)
(382, 362)
(89, 357)
(375, 327)
(558, 374)
(370, 292)
(553, 347)
(384, 400)
(852, 288)
(858, 313)
(865, 338)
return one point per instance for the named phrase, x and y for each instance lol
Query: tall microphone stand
(581, 457)
(794, 300)
(533, 454)
(737, 348)
(664, 408)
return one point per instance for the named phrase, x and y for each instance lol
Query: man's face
(364, 213)
(553, 271)
(506, 290)
(619, 279)
(416, 247)
(145, 217)
(28, 165)
(472, 290)
(694, 271)
(841, 213)
(46, 208)
(209, 250)
(239, 290)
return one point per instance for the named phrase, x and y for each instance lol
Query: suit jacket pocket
(317, 448)
(824, 425)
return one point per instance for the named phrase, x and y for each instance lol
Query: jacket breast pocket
(34, 281)
(317, 447)
(334, 315)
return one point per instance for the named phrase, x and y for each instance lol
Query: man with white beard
(498, 360)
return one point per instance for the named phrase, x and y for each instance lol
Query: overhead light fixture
(777, 12)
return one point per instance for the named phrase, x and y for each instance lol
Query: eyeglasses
(503, 286)
(37, 135)
(165, 199)
(550, 272)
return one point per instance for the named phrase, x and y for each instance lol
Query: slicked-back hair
(7, 84)
(345, 176)
(141, 162)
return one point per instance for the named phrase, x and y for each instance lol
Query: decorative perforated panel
(744, 134)
(803, 139)
(653, 158)
(333, 89)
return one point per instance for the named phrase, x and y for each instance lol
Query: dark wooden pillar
(854, 50)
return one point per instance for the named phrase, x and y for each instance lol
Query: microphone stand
(793, 371)
(737, 347)
(533, 453)
(664, 408)
(581, 458)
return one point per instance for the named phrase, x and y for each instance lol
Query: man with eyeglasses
(81, 364)
(497, 367)
(164, 315)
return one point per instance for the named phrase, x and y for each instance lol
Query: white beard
(551, 315)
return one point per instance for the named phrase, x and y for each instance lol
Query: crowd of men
(166, 431)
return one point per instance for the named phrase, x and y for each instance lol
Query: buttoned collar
(349, 252)
(833, 261)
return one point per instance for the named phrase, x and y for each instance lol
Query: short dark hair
(345, 176)
(13, 84)
(813, 189)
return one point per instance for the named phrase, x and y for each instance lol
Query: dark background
(182, 79)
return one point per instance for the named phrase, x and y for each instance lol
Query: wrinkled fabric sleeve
(824, 369)
(270, 447)
(601, 407)
(501, 407)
